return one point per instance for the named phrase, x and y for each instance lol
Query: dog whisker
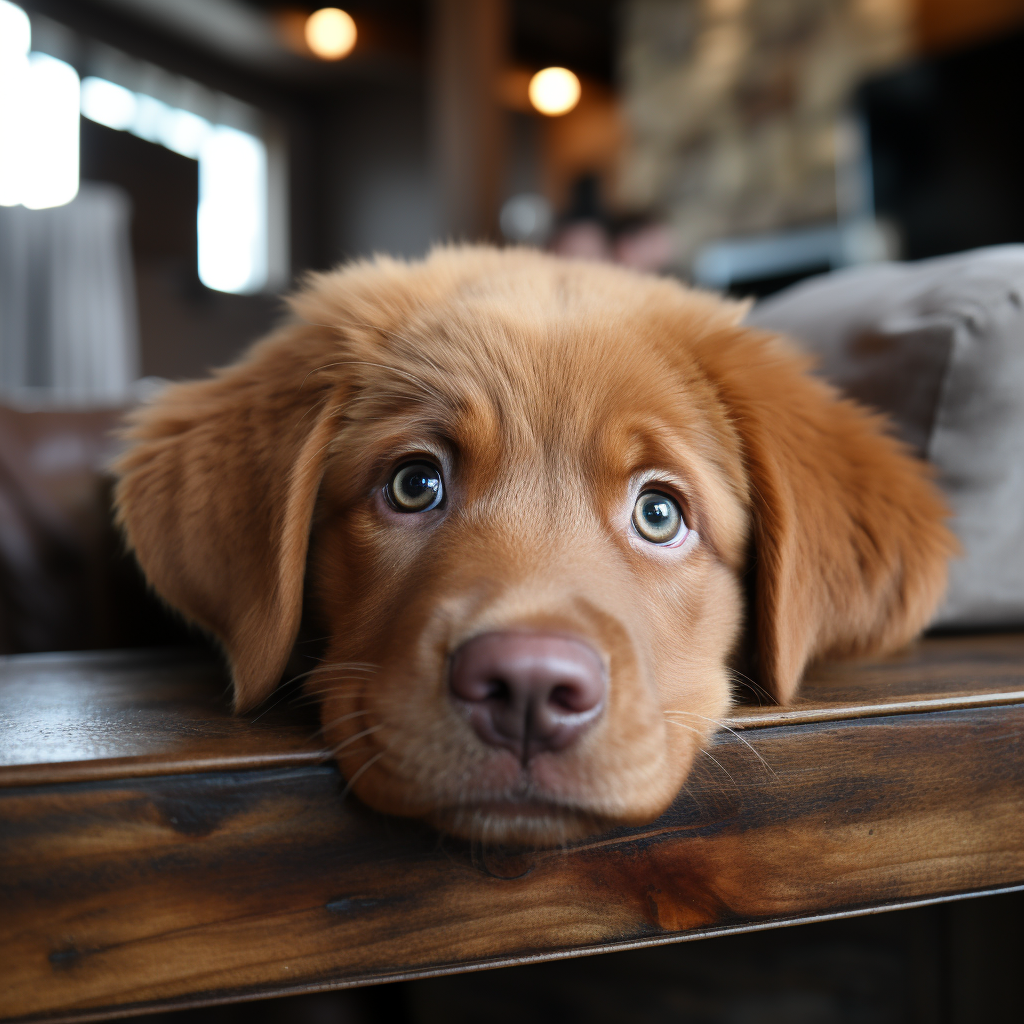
(689, 792)
(351, 666)
(728, 774)
(337, 721)
(329, 684)
(344, 685)
(340, 688)
(741, 679)
(700, 749)
(284, 696)
(359, 772)
(317, 407)
(323, 676)
(728, 729)
(339, 685)
(358, 736)
(416, 348)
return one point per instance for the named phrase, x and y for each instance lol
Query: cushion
(938, 345)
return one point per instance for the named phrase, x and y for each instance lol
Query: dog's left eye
(415, 487)
(658, 518)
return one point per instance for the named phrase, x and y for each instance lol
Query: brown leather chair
(66, 582)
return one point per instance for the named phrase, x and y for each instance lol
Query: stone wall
(737, 109)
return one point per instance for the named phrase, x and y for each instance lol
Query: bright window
(232, 215)
(39, 102)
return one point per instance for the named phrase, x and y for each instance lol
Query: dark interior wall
(380, 184)
(523, 162)
(163, 188)
(184, 328)
(947, 150)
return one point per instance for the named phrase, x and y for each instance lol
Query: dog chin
(518, 823)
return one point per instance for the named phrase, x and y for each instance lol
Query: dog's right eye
(415, 487)
(658, 518)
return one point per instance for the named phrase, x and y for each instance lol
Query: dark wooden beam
(469, 40)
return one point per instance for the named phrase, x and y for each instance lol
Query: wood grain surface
(108, 714)
(939, 672)
(123, 894)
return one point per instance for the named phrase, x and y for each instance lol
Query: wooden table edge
(86, 1016)
(17, 775)
(750, 719)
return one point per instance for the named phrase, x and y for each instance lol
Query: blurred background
(194, 156)
(168, 168)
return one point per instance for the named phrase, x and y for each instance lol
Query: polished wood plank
(68, 717)
(936, 673)
(136, 893)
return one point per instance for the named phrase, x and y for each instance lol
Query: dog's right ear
(216, 496)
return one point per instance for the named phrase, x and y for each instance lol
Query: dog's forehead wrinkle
(540, 376)
(384, 381)
(526, 340)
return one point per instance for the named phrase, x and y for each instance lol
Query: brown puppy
(530, 500)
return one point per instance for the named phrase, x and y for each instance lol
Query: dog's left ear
(850, 546)
(216, 497)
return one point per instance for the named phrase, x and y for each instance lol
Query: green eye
(415, 487)
(658, 518)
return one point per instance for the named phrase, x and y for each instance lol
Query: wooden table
(156, 852)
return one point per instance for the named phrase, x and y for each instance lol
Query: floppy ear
(850, 546)
(216, 495)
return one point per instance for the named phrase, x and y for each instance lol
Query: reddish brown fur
(545, 389)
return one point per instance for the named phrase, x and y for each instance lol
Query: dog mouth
(518, 820)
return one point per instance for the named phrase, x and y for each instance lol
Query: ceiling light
(330, 33)
(554, 91)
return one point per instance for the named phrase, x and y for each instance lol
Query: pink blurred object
(649, 248)
(583, 240)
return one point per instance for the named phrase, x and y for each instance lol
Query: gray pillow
(939, 346)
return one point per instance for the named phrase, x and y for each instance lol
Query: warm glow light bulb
(330, 33)
(554, 91)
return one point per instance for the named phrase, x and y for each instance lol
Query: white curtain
(68, 321)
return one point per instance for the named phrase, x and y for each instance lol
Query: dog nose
(528, 692)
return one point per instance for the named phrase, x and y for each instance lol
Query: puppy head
(527, 498)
